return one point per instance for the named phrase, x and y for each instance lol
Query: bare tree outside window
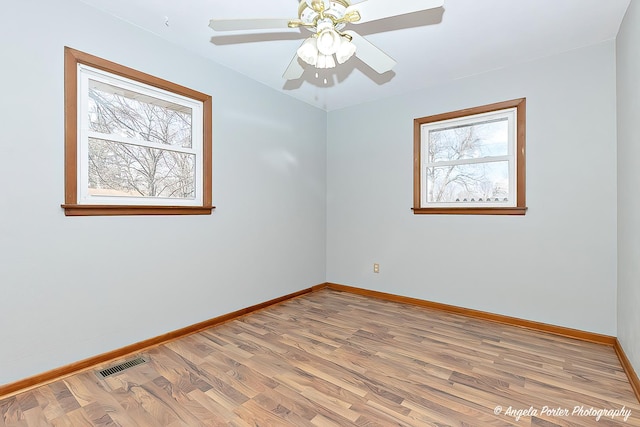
(134, 168)
(482, 181)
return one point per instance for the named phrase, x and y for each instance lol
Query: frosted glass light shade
(325, 61)
(328, 41)
(308, 52)
(345, 51)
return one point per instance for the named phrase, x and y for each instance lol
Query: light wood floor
(337, 359)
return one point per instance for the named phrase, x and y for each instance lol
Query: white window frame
(511, 115)
(86, 73)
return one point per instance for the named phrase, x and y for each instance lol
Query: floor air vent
(121, 367)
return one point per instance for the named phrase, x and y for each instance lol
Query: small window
(471, 161)
(135, 144)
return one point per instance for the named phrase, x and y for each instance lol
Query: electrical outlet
(376, 268)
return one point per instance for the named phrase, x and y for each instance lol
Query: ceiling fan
(330, 42)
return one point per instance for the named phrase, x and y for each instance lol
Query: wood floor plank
(220, 415)
(134, 410)
(76, 418)
(303, 409)
(331, 358)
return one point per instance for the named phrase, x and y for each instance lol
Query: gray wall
(628, 57)
(72, 288)
(294, 212)
(556, 265)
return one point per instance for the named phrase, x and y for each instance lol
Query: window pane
(117, 169)
(481, 139)
(118, 111)
(485, 182)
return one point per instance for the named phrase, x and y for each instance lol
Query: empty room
(320, 213)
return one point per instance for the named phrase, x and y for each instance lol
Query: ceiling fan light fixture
(345, 51)
(308, 52)
(332, 44)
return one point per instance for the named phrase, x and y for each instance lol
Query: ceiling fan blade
(248, 24)
(294, 70)
(372, 10)
(370, 54)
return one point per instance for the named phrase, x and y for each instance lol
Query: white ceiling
(463, 38)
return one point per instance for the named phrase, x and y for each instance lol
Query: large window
(471, 161)
(135, 144)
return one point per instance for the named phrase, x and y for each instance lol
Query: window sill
(470, 211)
(112, 210)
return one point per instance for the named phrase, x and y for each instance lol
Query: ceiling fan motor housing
(333, 10)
